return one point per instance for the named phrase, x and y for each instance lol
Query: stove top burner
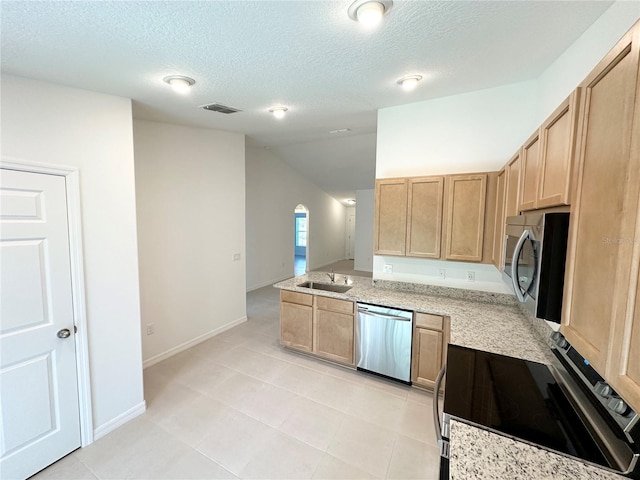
(517, 398)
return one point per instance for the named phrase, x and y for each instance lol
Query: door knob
(64, 333)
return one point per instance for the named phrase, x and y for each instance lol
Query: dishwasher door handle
(383, 315)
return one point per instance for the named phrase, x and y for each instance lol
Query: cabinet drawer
(334, 305)
(426, 320)
(295, 297)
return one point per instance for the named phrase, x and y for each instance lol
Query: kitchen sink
(330, 287)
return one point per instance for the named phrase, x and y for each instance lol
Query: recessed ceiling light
(351, 201)
(341, 130)
(409, 82)
(179, 83)
(278, 112)
(369, 12)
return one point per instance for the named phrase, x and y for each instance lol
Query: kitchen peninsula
(478, 320)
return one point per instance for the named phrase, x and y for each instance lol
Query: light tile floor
(240, 406)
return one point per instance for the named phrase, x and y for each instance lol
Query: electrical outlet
(151, 328)
(236, 257)
(442, 273)
(387, 268)
(471, 276)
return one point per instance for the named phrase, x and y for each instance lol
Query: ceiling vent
(218, 107)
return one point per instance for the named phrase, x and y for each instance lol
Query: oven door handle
(514, 265)
(436, 404)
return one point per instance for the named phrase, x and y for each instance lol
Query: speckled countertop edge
(505, 458)
(493, 327)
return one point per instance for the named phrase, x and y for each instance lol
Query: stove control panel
(603, 393)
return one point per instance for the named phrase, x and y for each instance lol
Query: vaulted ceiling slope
(308, 55)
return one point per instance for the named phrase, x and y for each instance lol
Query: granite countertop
(468, 444)
(485, 321)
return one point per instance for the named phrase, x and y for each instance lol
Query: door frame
(83, 373)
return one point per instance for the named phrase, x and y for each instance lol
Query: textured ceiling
(307, 55)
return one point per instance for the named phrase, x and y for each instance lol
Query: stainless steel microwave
(535, 252)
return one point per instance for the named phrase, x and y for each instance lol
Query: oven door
(521, 263)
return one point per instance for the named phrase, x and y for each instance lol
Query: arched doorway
(301, 244)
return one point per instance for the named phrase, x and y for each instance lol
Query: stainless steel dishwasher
(383, 341)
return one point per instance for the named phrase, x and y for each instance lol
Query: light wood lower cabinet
(430, 339)
(333, 330)
(320, 325)
(296, 322)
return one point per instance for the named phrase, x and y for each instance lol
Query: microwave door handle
(514, 265)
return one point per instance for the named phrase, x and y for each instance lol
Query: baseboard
(191, 343)
(120, 420)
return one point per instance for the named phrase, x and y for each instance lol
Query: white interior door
(351, 237)
(39, 410)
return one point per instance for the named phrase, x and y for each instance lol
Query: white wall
(273, 191)
(364, 230)
(56, 125)
(191, 204)
(563, 76)
(472, 132)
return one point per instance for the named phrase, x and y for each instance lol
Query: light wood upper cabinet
(624, 370)
(512, 195)
(529, 177)
(499, 223)
(558, 137)
(466, 197)
(603, 249)
(390, 221)
(424, 217)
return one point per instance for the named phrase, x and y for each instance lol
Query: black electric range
(543, 405)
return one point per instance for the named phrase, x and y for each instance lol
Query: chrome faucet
(332, 276)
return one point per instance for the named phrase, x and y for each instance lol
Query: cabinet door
(624, 373)
(296, 323)
(465, 217)
(333, 336)
(498, 226)
(603, 221)
(530, 168)
(390, 221)
(512, 196)
(558, 137)
(427, 347)
(424, 218)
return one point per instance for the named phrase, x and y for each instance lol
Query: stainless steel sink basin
(330, 287)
